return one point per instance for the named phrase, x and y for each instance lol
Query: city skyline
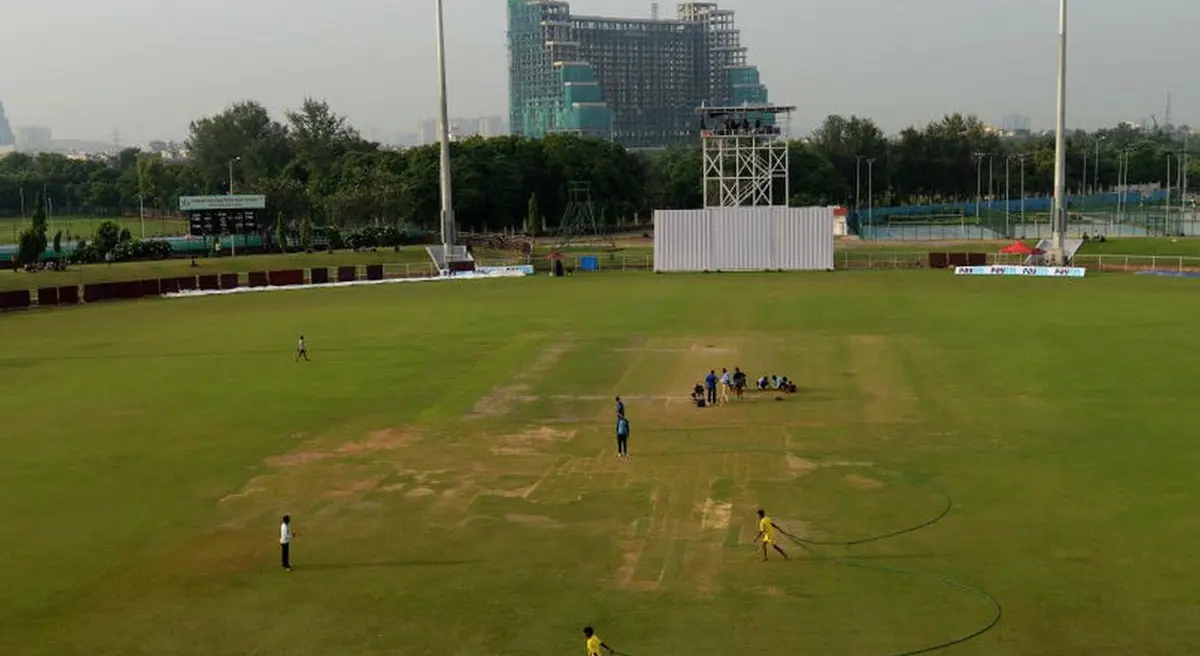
(375, 64)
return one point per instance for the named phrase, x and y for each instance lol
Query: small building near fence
(721, 239)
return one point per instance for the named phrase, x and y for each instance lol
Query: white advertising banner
(202, 203)
(1033, 271)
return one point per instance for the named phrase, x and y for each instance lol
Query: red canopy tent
(1020, 248)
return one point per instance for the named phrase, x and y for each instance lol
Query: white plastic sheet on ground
(482, 273)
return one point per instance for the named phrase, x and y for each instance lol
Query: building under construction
(637, 81)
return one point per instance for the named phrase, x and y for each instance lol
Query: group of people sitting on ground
(718, 390)
(776, 382)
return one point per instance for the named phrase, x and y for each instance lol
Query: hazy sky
(147, 67)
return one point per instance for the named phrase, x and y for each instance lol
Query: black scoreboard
(207, 222)
(222, 215)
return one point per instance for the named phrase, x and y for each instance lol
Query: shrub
(108, 235)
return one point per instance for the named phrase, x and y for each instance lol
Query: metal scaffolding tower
(579, 224)
(745, 155)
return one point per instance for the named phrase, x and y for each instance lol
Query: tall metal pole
(1167, 207)
(1007, 199)
(871, 190)
(1023, 193)
(444, 132)
(1059, 215)
(232, 225)
(978, 183)
(991, 180)
(1096, 172)
(857, 182)
(141, 199)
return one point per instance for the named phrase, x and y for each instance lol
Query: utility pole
(232, 225)
(858, 182)
(1167, 207)
(871, 190)
(141, 198)
(978, 182)
(1022, 157)
(1096, 172)
(991, 180)
(1007, 199)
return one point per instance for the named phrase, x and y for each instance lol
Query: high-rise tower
(637, 81)
(7, 138)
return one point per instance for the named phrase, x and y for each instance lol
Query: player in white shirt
(301, 350)
(726, 385)
(285, 541)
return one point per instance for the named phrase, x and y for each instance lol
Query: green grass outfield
(86, 227)
(447, 457)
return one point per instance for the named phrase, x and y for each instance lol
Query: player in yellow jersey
(766, 533)
(594, 643)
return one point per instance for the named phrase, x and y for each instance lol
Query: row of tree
(314, 166)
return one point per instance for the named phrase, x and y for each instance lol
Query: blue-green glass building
(635, 81)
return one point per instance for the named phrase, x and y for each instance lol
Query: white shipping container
(744, 239)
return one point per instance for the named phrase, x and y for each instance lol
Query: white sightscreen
(744, 239)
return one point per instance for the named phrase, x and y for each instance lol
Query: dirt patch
(532, 520)
(395, 487)
(848, 463)
(862, 482)
(354, 488)
(256, 485)
(631, 555)
(418, 492)
(296, 459)
(502, 397)
(520, 493)
(529, 441)
(798, 467)
(714, 515)
(386, 439)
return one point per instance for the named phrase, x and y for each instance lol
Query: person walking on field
(594, 643)
(766, 533)
(301, 350)
(726, 385)
(285, 542)
(622, 437)
(710, 386)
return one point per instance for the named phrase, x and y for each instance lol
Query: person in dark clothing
(620, 407)
(710, 385)
(622, 437)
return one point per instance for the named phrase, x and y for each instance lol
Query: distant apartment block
(34, 139)
(463, 128)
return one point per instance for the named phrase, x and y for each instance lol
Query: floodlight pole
(232, 227)
(1007, 197)
(871, 190)
(1060, 149)
(978, 182)
(858, 181)
(444, 132)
